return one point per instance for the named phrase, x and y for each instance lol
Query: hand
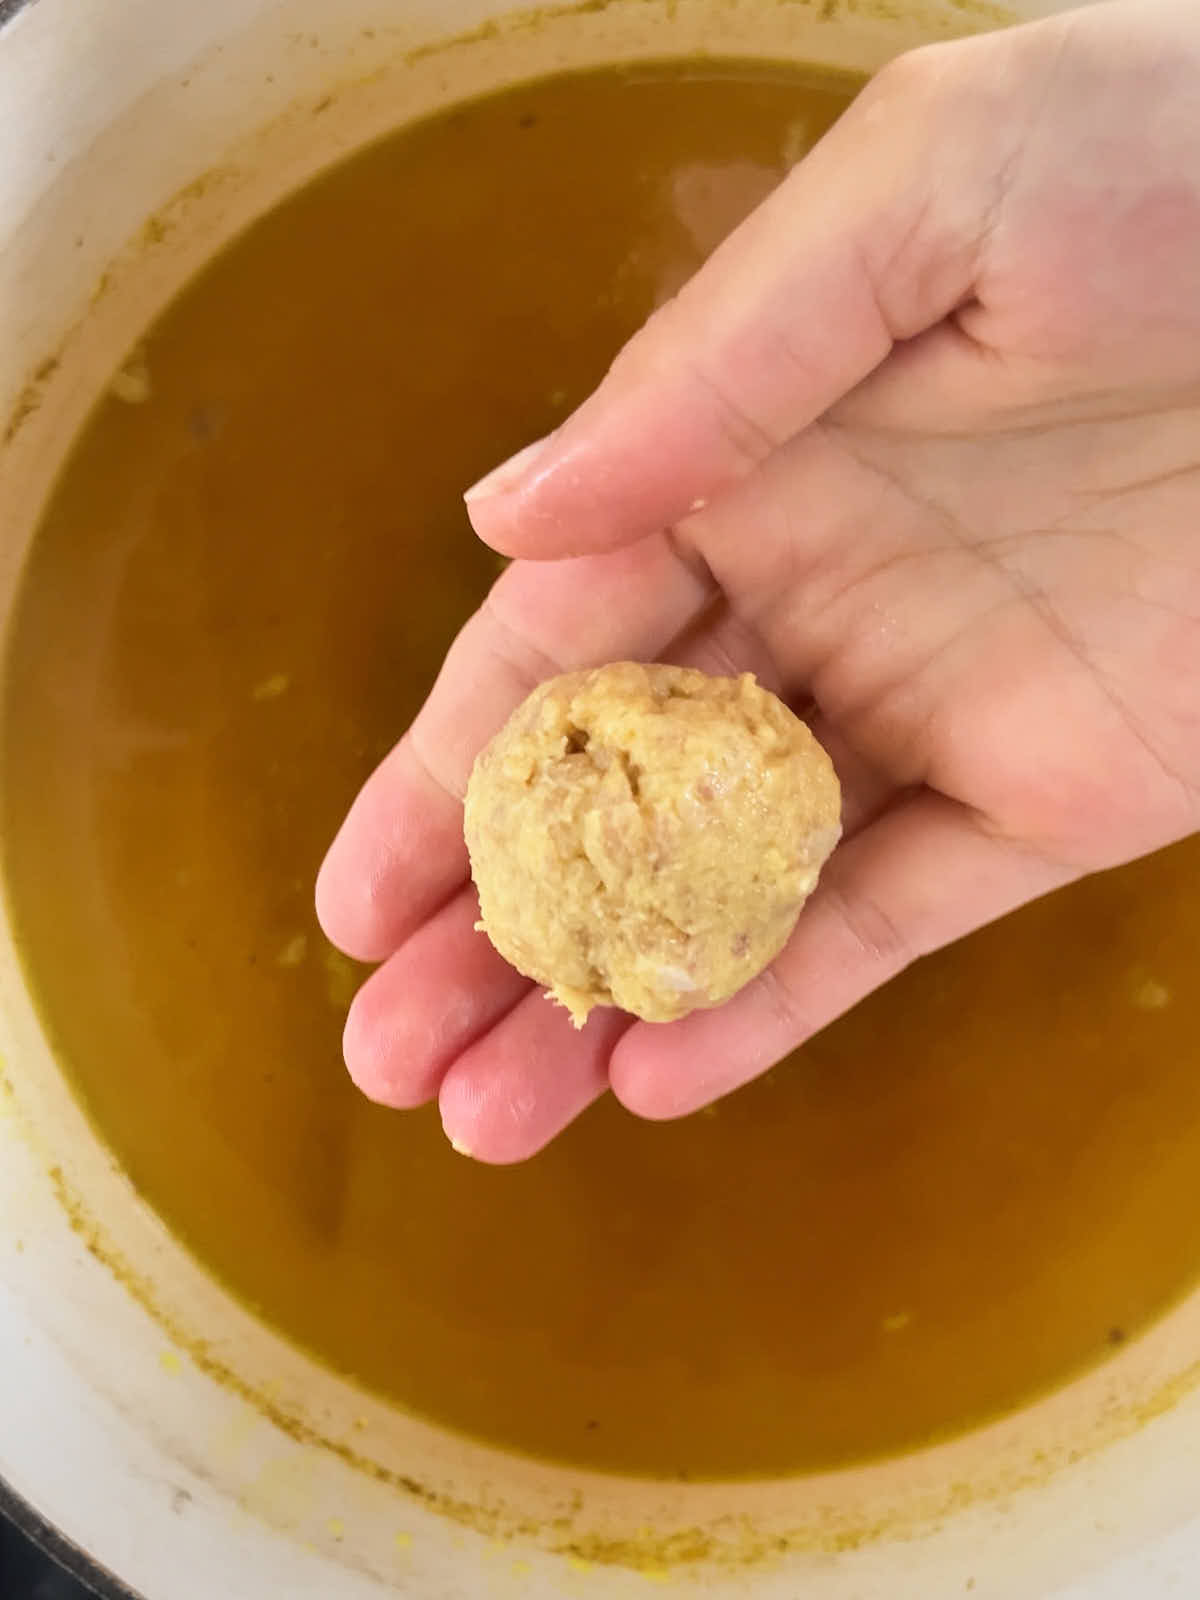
(925, 436)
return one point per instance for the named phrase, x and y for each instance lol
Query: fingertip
(645, 1071)
(347, 906)
(340, 918)
(556, 517)
(396, 858)
(595, 486)
(430, 1001)
(511, 509)
(509, 475)
(358, 1048)
(521, 1084)
(632, 1085)
(492, 517)
(474, 1128)
(377, 1059)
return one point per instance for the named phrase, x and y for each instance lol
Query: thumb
(872, 238)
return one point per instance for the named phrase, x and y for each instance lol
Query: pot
(186, 1448)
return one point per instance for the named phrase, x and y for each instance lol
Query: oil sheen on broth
(967, 1190)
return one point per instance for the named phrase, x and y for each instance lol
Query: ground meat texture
(645, 836)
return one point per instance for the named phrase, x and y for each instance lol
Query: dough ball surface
(645, 836)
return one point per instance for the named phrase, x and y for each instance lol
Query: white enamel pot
(173, 1441)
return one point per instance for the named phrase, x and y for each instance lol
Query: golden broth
(965, 1191)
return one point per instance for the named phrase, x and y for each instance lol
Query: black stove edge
(34, 1527)
(9, 9)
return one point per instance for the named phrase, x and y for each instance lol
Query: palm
(1015, 623)
(974, 564)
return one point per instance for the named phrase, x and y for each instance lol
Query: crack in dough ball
(645, 836)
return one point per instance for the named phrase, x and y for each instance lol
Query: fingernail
(507, 477)
(460, 1149)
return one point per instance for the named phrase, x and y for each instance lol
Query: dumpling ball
(644, 836)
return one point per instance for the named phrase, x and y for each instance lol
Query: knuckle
(875, 936)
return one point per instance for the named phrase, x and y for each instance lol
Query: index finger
(873, 238)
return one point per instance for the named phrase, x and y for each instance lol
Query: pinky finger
(923, 874)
